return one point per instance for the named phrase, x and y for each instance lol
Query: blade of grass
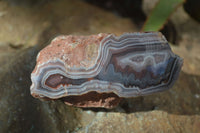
(160, 14)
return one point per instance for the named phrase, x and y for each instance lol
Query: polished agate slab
(104, 67)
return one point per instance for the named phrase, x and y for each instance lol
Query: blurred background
(26, 26)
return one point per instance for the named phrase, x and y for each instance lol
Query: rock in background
(186, 31)
(25, 29)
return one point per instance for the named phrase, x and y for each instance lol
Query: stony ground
(24, 30)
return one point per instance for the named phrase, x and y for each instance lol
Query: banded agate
(99, 70)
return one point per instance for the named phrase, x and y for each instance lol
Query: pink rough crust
(65, 47)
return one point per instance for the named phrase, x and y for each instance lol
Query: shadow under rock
(19, 111)
(182, 99)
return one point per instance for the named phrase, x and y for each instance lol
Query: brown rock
(148, 122)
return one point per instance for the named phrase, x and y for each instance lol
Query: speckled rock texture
(176, 110)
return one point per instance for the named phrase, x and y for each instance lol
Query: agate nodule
(99, 70)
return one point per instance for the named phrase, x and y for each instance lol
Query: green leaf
(160, 14)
